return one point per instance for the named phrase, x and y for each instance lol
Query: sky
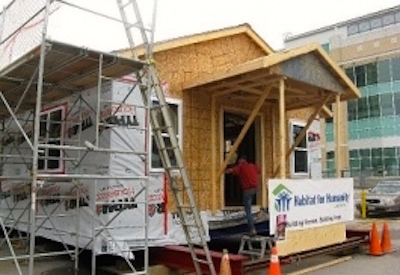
(271, 20)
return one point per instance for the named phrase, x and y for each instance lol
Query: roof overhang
(310, 76)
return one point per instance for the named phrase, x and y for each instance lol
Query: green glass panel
(384, 71)
(352, 110)
(325, 47)
(377, 163)
(374, 106)
(330, 155)
(384, 88)
(354, 154)
(373, 90)
(389, 152)
(377, 152)
(396, 69)
(364, 91)
(388, 131)
(365, 153)
(350, 73)
(387, 104)
(396, 86)
(354, 135)
(360, 75)
(365, 163)
(372, 73)
(397, 103)
(355, 164)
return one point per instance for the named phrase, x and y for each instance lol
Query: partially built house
(79, 165)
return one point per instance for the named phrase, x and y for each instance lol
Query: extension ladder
(170, 153)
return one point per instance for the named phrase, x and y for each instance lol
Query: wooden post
(303, 132)
(244, 130)
(214, 183)
(264, 195)
(338, 135)
(282, 129)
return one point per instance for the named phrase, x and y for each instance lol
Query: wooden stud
(303, 132)
(282, 129)
(243, 132)
(264, 195)
(214, 184)
(338, 141)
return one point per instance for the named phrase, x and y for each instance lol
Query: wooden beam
(282, 129)
(338, 141)
(303, 132)
(243, 132)
(214, 183)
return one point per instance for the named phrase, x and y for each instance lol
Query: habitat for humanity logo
(282, 198)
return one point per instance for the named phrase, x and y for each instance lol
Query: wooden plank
(338, 141)
(303, 131)
(282, 129)
(214, 184)
(244, 130)
(264, 194)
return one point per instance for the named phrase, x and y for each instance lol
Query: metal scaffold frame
(30, 93)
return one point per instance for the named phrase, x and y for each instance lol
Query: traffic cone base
(386, 243)
(274, 265)
(375, 248)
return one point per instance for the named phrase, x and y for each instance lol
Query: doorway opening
(233, 124)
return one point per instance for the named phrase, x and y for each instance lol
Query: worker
(248, 175)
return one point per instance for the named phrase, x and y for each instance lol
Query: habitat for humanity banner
(300, 204)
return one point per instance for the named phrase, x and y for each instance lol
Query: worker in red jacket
(248, 174)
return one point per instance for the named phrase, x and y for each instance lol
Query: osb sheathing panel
(311, 238)
(190, 63)
(182, 65)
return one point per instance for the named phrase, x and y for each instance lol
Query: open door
(233, 124)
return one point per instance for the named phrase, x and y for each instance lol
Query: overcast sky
(271, 19)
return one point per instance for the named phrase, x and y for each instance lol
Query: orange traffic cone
(274, 266)
(225, 268)
(375, 248)
(386, 242)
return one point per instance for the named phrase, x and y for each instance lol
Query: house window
(175, 107)
(299, 157)
(51, 132)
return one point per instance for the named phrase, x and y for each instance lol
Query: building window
(352, 29)
(372, 73)
(175, 107)
(364, 26)
(388, 19)
(387, 105)
(374, 106)
(376, 23)
(360, 75)
(51, 132)
(362, 108)
(352, 110)
(299, 157)
(384, 71)
(396, 69)
(325, 47)
(350, 73)
(397, 103)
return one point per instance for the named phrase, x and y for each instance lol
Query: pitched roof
(207, 36)
(280, 57)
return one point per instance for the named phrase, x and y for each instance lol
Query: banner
(301, 204)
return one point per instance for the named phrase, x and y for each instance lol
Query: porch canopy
(292, 79)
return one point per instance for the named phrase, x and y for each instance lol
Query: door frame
(260, 153)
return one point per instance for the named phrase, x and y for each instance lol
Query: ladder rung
(190, 224)
(186, 206)
(173, 168)
(201, 261)
(251, 253)
(160, 128)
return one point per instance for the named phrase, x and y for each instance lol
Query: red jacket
(248, 174)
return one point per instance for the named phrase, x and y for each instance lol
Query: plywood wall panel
(311, 238)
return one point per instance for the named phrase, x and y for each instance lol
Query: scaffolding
(55, 178)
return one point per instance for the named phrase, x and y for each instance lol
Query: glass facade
(375, 115)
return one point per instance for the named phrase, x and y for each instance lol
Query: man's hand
(228, 171)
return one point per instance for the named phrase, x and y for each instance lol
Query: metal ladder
(171, 155)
